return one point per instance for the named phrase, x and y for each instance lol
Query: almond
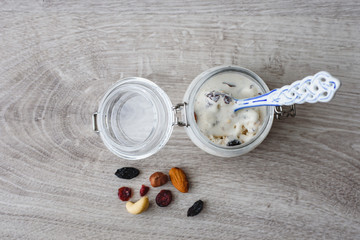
(179, 180)
(158, 179)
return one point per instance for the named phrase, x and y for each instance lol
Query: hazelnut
(158, 179)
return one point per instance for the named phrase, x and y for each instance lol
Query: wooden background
(59, 57)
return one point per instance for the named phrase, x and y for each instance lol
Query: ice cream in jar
(214, 112)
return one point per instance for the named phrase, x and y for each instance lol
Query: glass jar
(135, 118)
(200, 139)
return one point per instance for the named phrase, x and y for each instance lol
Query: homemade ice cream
(214, 109)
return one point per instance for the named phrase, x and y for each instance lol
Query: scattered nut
(163, 198)
(138, 207)
(158, 179)
(179, 180)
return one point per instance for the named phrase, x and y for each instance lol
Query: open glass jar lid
(135, 118)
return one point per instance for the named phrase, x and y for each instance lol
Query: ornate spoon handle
(318, 88)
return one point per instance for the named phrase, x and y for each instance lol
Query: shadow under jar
(135, 118)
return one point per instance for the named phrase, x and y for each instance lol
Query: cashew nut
(138, 207)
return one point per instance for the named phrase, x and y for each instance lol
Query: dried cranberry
(163, 198)
(143, 191)
(195, 209)
(127, 172)
(124, 193)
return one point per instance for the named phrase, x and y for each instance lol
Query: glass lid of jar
(135, 118)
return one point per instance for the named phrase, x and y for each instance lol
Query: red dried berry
(124, 193)
(163, 198)
(143, 191)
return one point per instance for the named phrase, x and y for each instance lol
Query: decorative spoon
(318, 88)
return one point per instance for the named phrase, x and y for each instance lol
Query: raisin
(127, 172)
(195, 117)
(213, 96)
(195, 209)
(124, 193)
(163, 198)
(227, 99)
(143, 191)
(229, 84)
(233, 143)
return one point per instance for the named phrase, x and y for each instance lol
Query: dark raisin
(233, 143)
(229, 84)
(195, 209)
(195, 117)
(163, 198)
(213, 96)
(124, 193)
(143, 191)
(127, 172)
(227, 99)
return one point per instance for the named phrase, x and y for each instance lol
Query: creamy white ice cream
(215, 114)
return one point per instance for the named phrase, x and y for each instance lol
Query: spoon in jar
(318, 88)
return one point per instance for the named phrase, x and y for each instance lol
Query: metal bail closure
(94, 122)
(282, 112)
(180, 115)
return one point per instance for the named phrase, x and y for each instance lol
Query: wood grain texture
(57, 177)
